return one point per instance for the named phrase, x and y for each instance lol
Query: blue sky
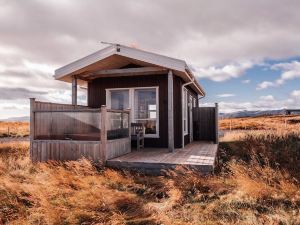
(246, 54)
(246, 88)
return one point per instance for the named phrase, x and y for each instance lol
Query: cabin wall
(192, 93)
(97, 97)
(177, 84)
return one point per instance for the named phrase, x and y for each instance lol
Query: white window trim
(185, 101)
(131, 105)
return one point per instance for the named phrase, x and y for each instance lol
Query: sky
(245, 54)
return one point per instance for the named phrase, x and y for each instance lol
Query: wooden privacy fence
(205, 124)
(67, 132)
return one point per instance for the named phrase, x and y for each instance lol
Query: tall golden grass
(14, 129)
(249, 191)
(257, 183)
(275, 122)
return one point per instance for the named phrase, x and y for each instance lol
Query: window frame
(131, 91)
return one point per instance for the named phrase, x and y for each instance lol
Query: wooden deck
(199, 155)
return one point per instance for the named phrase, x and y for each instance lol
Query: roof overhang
(113, 57)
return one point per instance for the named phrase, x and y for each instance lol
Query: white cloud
(246, 81)
(223, 73)
(267, 98)
(295, 93)
(225, 95)
(267, 102)
(264, 85)
(214, 36)
(289, 71)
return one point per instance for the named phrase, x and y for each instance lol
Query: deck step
(197, 155)
(155, 168)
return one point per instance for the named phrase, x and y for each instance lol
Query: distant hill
(246, 113)
(16, 119)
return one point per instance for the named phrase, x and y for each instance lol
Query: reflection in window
(145, 109)
(119, 99)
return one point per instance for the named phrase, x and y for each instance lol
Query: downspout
(192, 81)
(199, 99)
(182, 96)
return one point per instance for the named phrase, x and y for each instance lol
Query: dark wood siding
(192, 93)
(205, 124)
(97, 97)
(178, 82)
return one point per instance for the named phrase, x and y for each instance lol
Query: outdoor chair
(138, 134)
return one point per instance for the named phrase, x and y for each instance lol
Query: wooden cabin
(126, 85)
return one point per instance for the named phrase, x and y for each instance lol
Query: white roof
(116, 56)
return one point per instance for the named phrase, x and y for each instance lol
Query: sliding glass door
(144, 105)
(145, 110)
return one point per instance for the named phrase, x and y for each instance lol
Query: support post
(217, 122)
(103, 134)
(129, 124)
(170, 112)
(74, 90)
(31, 131)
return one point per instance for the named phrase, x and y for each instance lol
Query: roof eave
(83, 62)
(195, 82)
(121, 50)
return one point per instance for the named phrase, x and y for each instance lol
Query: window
(119, 99)
(144, 105)
(185, 113)
(145, 109)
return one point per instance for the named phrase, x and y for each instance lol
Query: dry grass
(14, 129)
(262, 123)
(255, 186)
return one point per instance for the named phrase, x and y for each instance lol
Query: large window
(144, 105)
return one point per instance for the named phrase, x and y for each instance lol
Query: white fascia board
(137, 54)
(152, 58)
(86, 61)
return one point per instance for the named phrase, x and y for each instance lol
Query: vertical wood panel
(118, 147)
(205, 124)
(64, 150)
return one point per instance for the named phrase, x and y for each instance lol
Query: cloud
(264, 85)
(223, 73)
(246, 81)
(211, 36)
(267, 102)
(295, 93)
(18, 93)
(225, 95)
(267, 98)
(38, 36)
(289, 71)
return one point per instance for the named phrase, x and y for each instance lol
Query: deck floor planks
(198, 154)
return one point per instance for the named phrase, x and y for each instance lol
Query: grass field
(14, 129)
(257, 183)
(261, 123)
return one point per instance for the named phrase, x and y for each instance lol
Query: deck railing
(62, 127)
